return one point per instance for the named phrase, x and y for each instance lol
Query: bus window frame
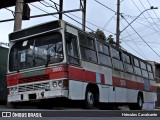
(77, 48)
(103, 53)
(120, 58)
(127, 63)
(85, 47)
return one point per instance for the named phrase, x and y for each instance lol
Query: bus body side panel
(151, 96)
(77, 90)
(106, 91)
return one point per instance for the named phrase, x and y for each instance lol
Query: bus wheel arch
(140, 100)
(139, 104)
(91, 96)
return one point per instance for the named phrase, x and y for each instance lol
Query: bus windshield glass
(34, 52)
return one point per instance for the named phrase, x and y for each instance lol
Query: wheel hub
(90, 98)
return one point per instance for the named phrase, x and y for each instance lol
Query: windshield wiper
(48, 60)
(17, 67)
(34, 61)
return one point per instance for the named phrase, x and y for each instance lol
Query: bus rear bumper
(37, 95)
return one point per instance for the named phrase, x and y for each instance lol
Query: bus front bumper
(37, 95)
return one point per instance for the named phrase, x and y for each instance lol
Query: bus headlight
(60, 83)
(54, 84)
(13, 90)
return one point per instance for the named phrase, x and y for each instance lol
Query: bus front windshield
(34, 52)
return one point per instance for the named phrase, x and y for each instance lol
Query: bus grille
(33, 87)
(34, 78)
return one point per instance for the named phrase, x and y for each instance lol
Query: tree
(110, 40)
(100, 35)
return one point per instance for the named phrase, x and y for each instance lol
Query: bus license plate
(32, 96)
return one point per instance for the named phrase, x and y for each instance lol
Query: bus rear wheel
(138, 105)
(89, 100)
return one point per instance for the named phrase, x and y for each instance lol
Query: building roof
(9, 3)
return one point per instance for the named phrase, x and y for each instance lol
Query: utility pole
(60, 9)
(118, 24)
(18, 15)
(84, 15)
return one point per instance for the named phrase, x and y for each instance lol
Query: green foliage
(100, 35)
(110, 40)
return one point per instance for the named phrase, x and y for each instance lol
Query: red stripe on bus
(131, 84)
(153, 89)
(140, 86)
(119, 82)
(75, 73)
(58, 75)
(56, 69)
(13, 79)
(84, 75)
(89, 76)
(102, 79)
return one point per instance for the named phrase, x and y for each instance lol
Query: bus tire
(138, 105)
(89, 99)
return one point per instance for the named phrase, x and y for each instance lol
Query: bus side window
(72, 48)
(137, 69)
(149, 68)
(116, 59)
(150, 72)
(127, 63)
(103, 54)
(144, 69)
(87, 48)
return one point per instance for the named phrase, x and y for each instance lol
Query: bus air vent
(33, 78)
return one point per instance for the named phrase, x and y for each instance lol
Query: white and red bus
(59, 60)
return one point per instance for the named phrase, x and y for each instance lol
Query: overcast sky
(147, 25)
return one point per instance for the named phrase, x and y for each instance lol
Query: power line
(139, 29)
(142, 38)
(105, 6)
(143, 42)
(121, 0)
(108, 22)
(76, 17)
(41, 9)
(93, 24)
(132, 48)
(144, 15)
(135, 43)
(142, 30)
(64, 14)
(140, 18)
(13, 13)
(149, 15)
(153, 10)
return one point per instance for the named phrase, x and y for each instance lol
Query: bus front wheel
(89, 100)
